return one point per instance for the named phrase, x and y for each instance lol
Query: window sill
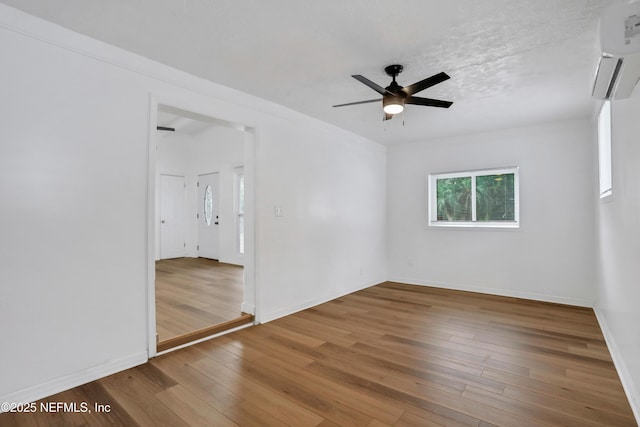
(476, 225)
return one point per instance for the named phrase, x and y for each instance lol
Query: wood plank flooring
(195, 293)
(390, 355)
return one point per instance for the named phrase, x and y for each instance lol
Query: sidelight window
(239, 208)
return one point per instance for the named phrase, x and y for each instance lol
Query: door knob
(162, 222)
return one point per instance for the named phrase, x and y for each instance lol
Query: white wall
(550, 257)
(332, 197)
(618, 226)
(214, 149)
(74, 175)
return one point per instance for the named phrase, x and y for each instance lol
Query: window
(239, 208)
(485, 198)
(604, 149)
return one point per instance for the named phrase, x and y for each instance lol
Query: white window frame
(433, 203)
(604, 151)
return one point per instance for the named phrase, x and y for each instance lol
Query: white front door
(208, 216)
(172, 223)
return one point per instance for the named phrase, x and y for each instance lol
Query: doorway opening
(201, 273)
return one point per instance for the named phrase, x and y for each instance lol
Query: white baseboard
(495, 291)
(311, 303)
(625, 377)
(49, 388)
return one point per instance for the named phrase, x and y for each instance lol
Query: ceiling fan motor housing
(393, 70)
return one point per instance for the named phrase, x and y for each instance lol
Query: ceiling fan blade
(371, 84)
(426, 83)
(358, 102)
(428, 102)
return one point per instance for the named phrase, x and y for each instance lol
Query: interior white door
(172, 221)
(208, 216)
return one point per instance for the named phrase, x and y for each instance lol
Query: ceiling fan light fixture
(392, 104)
(394, 96)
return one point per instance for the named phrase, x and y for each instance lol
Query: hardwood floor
(195, 293)
(389, 355)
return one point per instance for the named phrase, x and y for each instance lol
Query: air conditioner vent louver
(618, 69)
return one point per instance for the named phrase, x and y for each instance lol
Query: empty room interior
(289, 213)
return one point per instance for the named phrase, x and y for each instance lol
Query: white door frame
(200, 105)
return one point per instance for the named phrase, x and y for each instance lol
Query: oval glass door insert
(208, 205)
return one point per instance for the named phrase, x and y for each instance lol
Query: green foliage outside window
(494, 196)
(454, 199)
(495, 200)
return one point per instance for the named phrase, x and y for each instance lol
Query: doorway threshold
(244, 319)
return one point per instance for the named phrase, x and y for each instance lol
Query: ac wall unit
(618, 69)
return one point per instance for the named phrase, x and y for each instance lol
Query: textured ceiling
(511, 62)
